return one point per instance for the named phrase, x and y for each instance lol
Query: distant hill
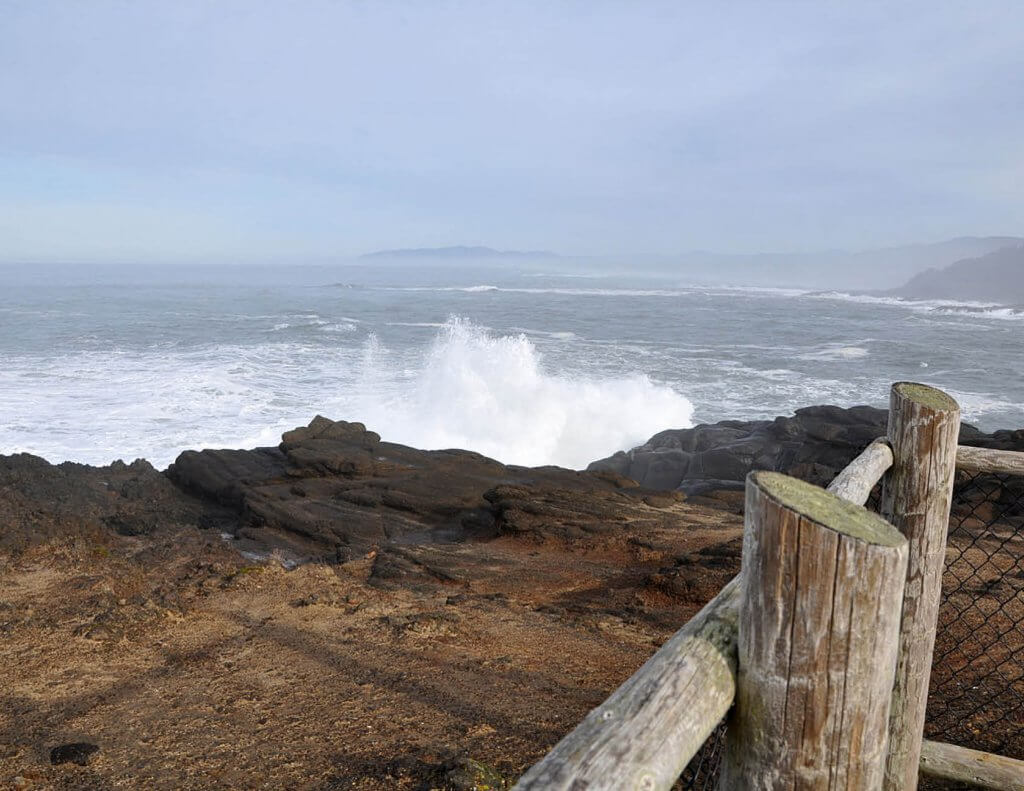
(996, 277)
(882, 268)
(458, 252)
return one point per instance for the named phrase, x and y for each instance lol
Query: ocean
(527, 366)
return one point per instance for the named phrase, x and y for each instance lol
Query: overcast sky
(216, 129)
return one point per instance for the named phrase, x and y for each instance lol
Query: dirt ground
(192, 668)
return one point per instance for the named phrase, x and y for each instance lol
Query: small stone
(465, 774)
(306, 601)
(74, 752)
(96, 631)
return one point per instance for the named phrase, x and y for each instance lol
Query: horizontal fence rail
(1008, 462)
(978, 769)
(859, 477)
(643, 736)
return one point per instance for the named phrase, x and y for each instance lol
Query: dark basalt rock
(465, 774)
(814, 444)
(334, 489)
(40, 501)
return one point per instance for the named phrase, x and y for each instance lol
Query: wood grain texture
(988, 460)
(923, 428)
(822, 583)
(981, 770)
(856, 480)
(643, 736)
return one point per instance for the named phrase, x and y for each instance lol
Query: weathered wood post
(821, 588)
(924, 424)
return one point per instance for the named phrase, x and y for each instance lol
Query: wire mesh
(976, 696)
(977, 685)
(701, 774)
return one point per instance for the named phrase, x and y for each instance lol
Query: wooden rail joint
(824, 638)
(855, 482)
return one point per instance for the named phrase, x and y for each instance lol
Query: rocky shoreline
(344, 612)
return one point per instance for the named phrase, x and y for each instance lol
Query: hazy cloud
(191, 129)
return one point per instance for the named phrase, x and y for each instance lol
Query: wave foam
(467, 389)
(1003, 314)
(931, 307)
(493, 394)
(836, 351)
(566, 292)
(903, 302)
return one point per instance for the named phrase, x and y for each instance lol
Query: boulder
(333, 489)
(814, 444)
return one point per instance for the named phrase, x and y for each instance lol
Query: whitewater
(99, 363)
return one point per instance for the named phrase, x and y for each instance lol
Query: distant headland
(458, 252)
(995, 277)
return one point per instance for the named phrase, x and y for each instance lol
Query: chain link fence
(977, 686)
(976, 696)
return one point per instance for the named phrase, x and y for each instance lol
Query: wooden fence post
(924, 425)
(822, 583)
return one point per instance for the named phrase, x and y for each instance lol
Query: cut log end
(827, 509)
(925, 396)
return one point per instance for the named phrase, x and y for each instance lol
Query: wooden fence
(819, 650)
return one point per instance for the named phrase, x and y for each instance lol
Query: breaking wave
(494, 394)
(468, 388)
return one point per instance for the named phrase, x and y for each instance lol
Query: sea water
(526, 366)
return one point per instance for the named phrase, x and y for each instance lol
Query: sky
(197, 130)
